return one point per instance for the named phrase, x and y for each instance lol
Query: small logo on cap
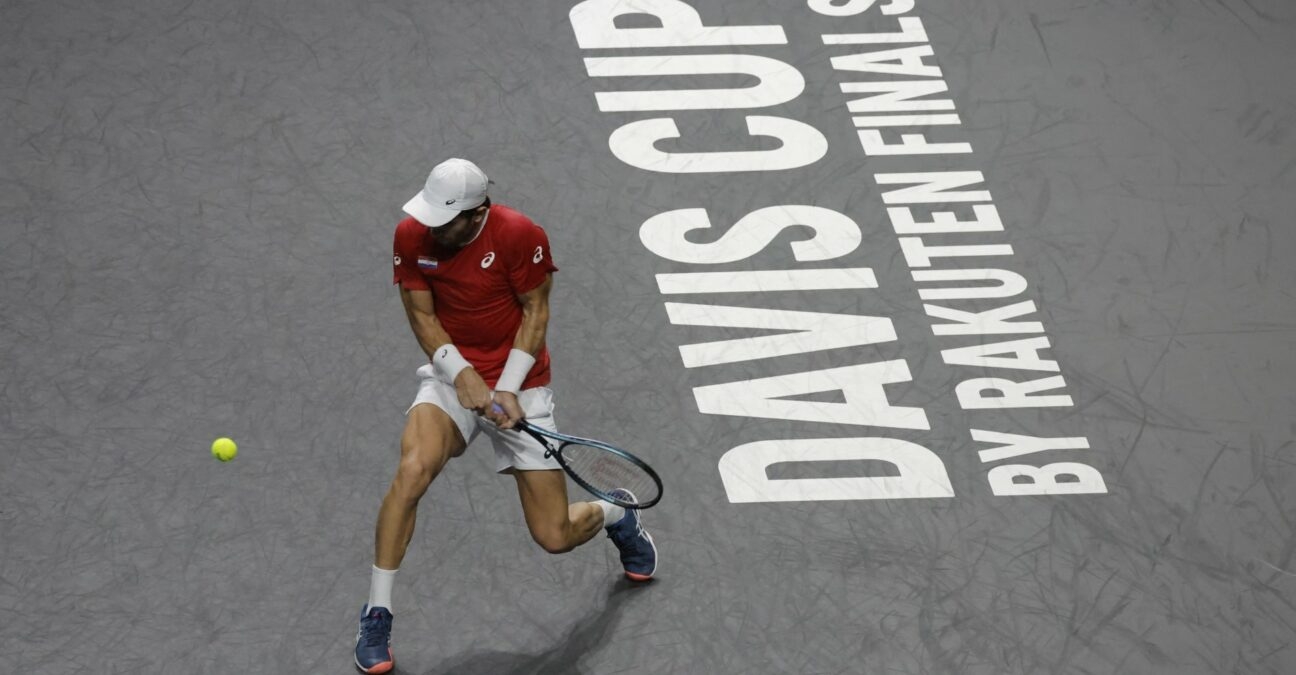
(539, 255)
(450, 201)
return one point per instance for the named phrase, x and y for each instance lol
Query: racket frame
(542, 435)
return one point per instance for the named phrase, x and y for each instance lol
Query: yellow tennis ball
(224, 449)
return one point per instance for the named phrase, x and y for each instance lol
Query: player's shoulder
(410, 233)
(409, 227)
(510, 219)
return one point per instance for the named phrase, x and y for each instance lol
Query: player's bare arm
(530, 339)
(419, 309)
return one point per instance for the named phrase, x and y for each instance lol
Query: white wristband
(448, 362)
(515, 371)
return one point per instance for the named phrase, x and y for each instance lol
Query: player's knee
(552, 540)
(415, 473)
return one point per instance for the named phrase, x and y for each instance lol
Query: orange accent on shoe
(638, 577)
(383, 667)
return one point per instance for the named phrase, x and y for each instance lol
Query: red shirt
(475, 289)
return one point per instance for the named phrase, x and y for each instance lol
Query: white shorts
(513, 449)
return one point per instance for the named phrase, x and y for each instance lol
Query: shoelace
(374, 630)
(621, 536)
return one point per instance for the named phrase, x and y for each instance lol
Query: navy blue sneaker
(638, 552)
(373, 652)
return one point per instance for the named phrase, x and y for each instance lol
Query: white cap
(454, 185)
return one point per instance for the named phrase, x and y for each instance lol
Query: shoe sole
(379, 669)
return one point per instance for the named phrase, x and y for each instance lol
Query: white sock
(380, 588)
(611, 512)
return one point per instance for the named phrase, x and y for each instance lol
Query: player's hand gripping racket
(600, 467)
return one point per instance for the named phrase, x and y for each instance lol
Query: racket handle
(519, 425)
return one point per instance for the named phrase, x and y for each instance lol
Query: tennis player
(475, 279)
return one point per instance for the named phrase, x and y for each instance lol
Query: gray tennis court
(962, 334)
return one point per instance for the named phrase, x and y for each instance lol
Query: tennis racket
(599, 467)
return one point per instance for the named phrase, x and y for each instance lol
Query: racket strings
(606, 471)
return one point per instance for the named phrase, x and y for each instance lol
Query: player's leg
(559, 527)
(555, 525)
(542, 486)
(436, 429)
(430, 439)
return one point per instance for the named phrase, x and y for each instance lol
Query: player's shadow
(585, 636)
